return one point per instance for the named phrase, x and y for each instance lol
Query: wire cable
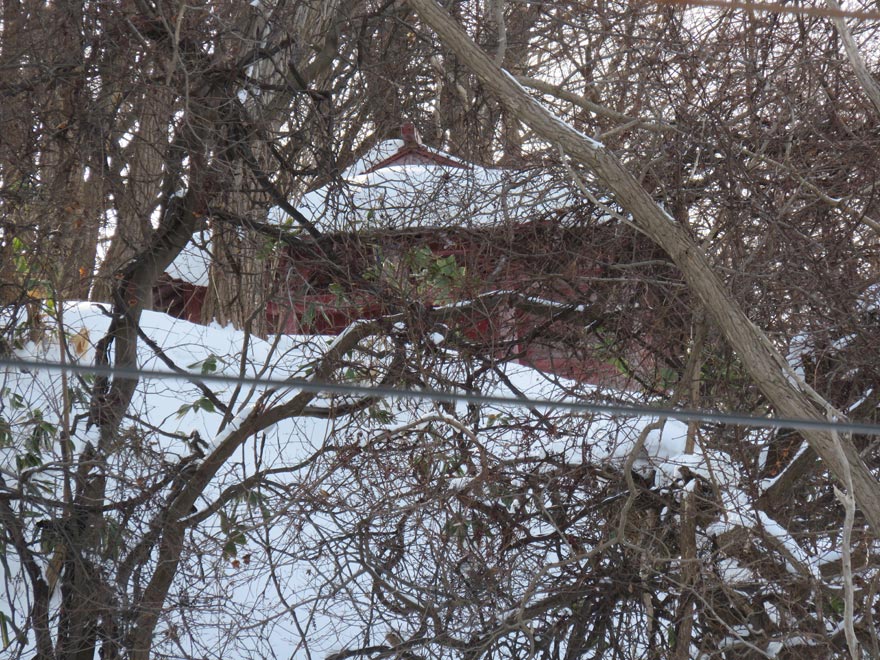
(306, 385)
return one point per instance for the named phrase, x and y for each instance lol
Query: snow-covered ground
(279, 592)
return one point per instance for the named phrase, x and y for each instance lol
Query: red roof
(413, 152)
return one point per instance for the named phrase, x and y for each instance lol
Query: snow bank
(506, 434)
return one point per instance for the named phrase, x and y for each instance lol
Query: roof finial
(410, 135)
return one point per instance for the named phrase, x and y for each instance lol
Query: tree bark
(137, 195)
(59, 219)
(764, 363)
(239, 276)
(866, 80)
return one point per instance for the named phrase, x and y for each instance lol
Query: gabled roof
(407, 151)
(410, 196)
(404, 184)
(416, 154)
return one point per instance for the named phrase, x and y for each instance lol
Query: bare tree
(715, 248)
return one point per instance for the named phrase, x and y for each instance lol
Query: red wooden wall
(321, 289)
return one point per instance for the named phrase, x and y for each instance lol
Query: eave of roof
(419, 151)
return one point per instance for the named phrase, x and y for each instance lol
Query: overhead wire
(570, 405)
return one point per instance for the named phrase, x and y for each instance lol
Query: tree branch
(869, 85)
(764, 363)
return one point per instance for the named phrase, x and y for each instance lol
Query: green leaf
(204, 404)
(421, 258)
(20, 251)
(28, 460)
(229, 549)
(113, 538)
(255, 500)
(4, 631)
(380, 415)
(336, 289)
(309, 314)
(234, 535)
(207, 366)
(5, 433)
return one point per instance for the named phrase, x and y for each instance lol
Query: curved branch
(172, 522)
(764, 363)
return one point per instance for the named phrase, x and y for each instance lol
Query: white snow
(842, 342)
(829, 556)
(193, 264)
(508, 434)
(861, 400)
(767, 483)
(869, 301)
(458, 483)
(411, 196)
(775, 647)
(232, 427)
(175, 407)
(407, 197)
(798, 553)
(734, 573)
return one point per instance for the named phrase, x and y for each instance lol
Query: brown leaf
(80, 341)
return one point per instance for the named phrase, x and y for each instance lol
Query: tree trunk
(137, 196)
(60, 223)
(239, 274)
(764, 363)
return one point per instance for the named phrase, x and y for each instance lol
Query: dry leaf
(80, 342)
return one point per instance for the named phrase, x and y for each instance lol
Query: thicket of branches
(412, 529)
